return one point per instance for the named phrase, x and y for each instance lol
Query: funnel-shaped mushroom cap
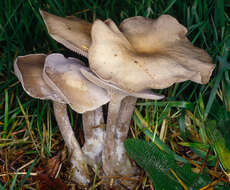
(72, 32)
(146, 54)
(29, 70)
(64, 75)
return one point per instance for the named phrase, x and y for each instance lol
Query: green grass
(27, 126)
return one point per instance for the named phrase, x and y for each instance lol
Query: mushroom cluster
(125, 63)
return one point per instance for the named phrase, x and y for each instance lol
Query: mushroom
(83, 96)
(114, 157)
(143, 54)
(29, 71)
(66, 31)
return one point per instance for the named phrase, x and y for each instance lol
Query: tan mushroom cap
(146, 94)
(72, 32)
(64, 75)
(29, 70)
(146, 54)
(149, 35)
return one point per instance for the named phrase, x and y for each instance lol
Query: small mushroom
(29, 71)
(83, 96)
(114, 157)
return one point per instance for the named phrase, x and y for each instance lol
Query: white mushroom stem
(114, 157)
(94, 132)
(80, 169)
(122, 129)
(126, 112)
(109, 159)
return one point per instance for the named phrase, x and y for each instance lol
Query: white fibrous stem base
(114, 157)
(122, 129)
(94, 131)
(79, 165)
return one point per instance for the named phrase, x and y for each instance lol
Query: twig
(19, 173)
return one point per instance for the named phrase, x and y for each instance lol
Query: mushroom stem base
(94, 131)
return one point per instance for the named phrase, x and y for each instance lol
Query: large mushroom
(29, 70)
(145, 54)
